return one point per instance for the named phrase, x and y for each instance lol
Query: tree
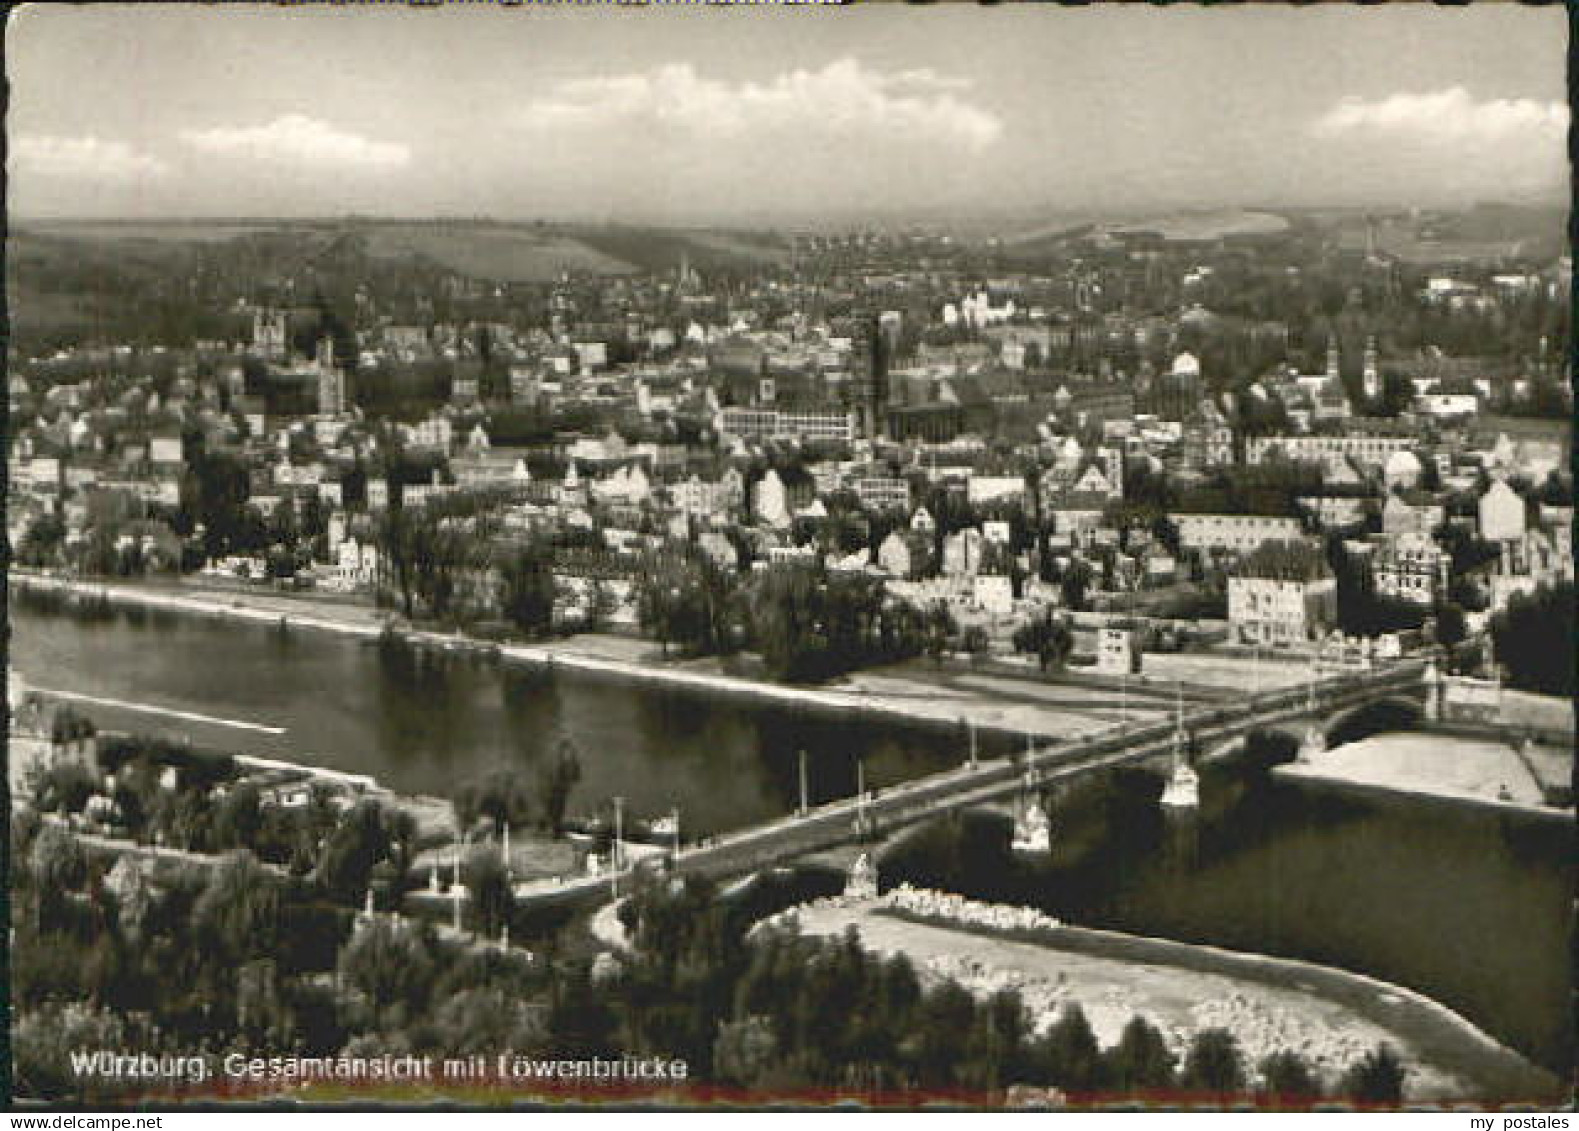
(1376, 1078)
(1047, 638)
(487, 881)
(500, 795)
(579, 1020)
(70, 726)
(397, 541)
(941, 628)
(239, 817)
(1214, 1063)
(392, 962)
(238, 910)
(557, 779)
(46, 1041)
(485, 1019)
(1534, 639)
(41, 545)
(1451, 626)
(1070, 1054)
(1287, 1079)
(810, 626)
(600, 606)
(356, 845)
(58, 865)
(995, 1054)
(1074, 584)
(63, 787)
(1140, 1062)
(527, 590)
(746, 1051)
(942, 1027)
(689, 601)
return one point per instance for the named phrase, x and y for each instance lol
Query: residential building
(1283, 594)
(1233, 533)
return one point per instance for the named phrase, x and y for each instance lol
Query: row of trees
(806, 623)
(224, 957)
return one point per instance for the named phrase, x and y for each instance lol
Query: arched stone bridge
(1325, 703)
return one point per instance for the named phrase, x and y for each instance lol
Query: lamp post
(616, 854)
(860, 794)
(804, 808)
(455, 884)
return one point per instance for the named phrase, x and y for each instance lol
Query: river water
(1466, 905)
(426, 724)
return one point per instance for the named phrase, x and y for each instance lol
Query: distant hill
(487, 250)
(131, 279)
(1484, 233)
(1188, 226)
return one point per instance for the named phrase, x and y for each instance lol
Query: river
(1465, 903)
(427, 723)
(1461, 903)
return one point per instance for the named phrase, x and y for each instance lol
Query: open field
(1196, 226)
(502, 254)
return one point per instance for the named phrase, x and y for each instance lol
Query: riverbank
(999, 706)
(1427, 765)
(1329, 1016)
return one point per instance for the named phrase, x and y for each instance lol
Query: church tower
(1332, 357)
(331, 381)
(869, 376)
(1372, 376)
(268, 333)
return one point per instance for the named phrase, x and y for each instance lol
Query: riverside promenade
(1017, 707)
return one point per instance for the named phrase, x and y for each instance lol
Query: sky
(782, 115)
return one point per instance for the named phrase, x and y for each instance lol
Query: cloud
(1447, 117)
(83, 159)
(299, 139)
(842, 100)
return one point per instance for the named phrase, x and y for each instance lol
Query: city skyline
(779, 117)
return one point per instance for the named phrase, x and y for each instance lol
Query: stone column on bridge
(861, 881)
(1033, 830)
(1315, 743)
(1434, 691)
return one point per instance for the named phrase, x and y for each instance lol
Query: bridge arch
(1395, 712)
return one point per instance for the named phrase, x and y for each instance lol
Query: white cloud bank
(298, 139)
(843, 99)
(1448, 117)
(85, 160)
